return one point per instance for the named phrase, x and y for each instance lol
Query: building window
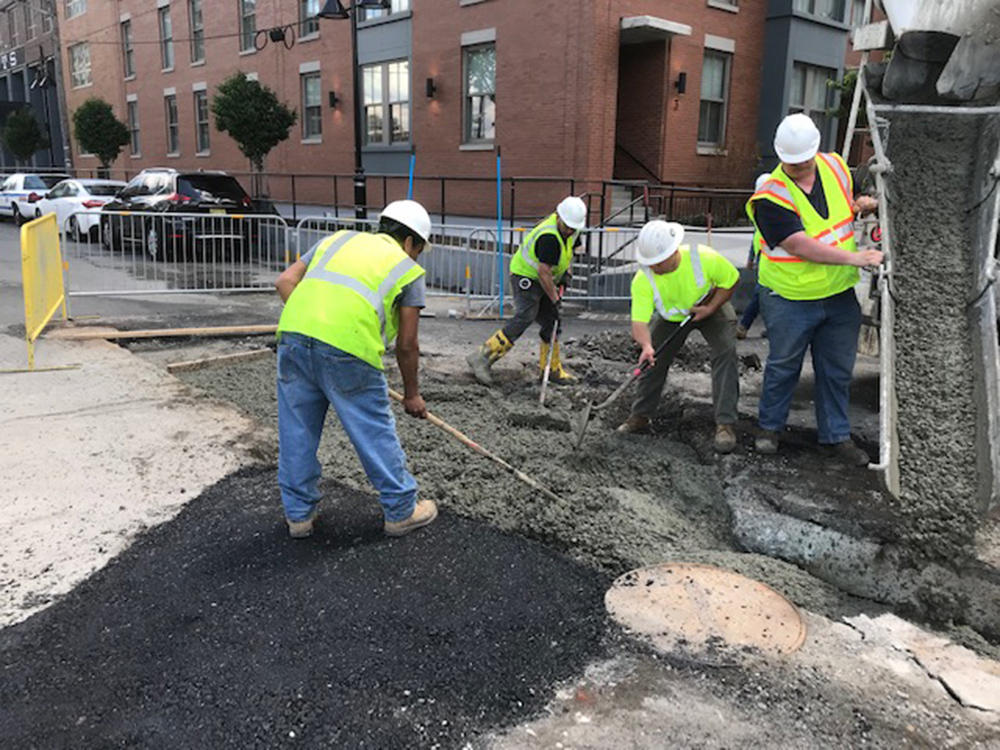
(308, 22)
(166, 38)
(75, 8)
(395, 6)
(858, 13)
(201, 121)
(248, 24)
(810, 93)
(312, 106)
(197, 24)
(128, 51)
(29, 20)
(832, 9)
(386, 92)
(714, 94)
(79, 64)
(170, 112)
(479, 113)
(133, 127)
(12, 28)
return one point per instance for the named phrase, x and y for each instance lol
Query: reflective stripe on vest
(526, 251)
(375, 298)
(699, 280)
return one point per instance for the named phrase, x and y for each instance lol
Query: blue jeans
(830, 328)
(311, 376)
(752, 309)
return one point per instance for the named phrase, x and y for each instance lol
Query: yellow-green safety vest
(793, 277)
(346, 298)
(702, 287)
(525, 262)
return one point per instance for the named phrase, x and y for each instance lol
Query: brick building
(616, 89)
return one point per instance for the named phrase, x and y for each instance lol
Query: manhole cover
(704, 612)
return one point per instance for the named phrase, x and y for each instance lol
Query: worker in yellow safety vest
(540, 273)
(345, 300)
(675, 282)
(808, 270)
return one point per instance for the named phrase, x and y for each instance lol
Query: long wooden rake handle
(477, 448)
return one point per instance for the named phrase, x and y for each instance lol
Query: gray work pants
(531, 303)
(720, 334)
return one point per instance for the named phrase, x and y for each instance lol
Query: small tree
(253, 117)
(22, 135)
(99, 132)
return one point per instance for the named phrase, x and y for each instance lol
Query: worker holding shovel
(344, 300)
(539, 270)
(679, 288)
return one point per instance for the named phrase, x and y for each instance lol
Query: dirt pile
(930, 188)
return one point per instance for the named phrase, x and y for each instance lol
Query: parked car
(76, 204)
(187, 201)
(15, 189)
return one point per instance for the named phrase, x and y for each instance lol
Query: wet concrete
(933, 159)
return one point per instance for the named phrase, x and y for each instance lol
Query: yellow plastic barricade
(42, 279)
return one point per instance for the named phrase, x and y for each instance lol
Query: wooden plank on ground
(85, 334)
(221, 359)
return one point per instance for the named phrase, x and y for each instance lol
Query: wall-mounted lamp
(431, 88)
(681, 83)
(333, 99)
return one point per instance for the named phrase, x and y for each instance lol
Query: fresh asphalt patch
(217, 630)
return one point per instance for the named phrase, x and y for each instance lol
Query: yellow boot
(557, 373)
(483, 358)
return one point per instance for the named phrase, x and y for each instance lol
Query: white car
(15, 189)
(76, 204)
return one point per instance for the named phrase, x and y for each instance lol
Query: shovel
(548, 365)
(590, 407)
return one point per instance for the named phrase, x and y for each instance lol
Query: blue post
(413, 164)
(499, 232)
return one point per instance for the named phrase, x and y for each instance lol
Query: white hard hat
(658, 240)
(761, 179)
(797, 139)
(573, 212)
(411, 215)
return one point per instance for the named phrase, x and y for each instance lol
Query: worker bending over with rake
(808, 269)
(344, 300)
(540, 272)
(676, 289)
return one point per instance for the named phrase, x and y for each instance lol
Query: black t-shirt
(778, 224)
(548, 249)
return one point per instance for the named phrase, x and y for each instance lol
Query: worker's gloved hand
(415, 406)
(867, 257)
(864, 204)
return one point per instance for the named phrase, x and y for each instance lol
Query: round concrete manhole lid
(705, 613)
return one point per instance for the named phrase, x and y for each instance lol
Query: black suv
(203, 213)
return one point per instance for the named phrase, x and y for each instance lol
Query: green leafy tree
(22, 135)
(98, 131)
(252, 116)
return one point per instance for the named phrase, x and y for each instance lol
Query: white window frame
(132, 117)
(128, 48)
(308, 135)
(75, 8)
(812, 7)
(202, 148)
(247, 26)
(467, 117)
(80, 69)
(308, 20)
(727, 75)
(166, 26)
(197, 31)
(386, 103)
(395, 6)
(812, 74)
(30, 27)
(172, 124)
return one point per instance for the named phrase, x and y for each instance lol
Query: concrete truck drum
(344, 300)
(540, 272)
(677, 288)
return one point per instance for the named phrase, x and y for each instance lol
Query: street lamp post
(336, 9)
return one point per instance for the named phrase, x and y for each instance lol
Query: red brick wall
(642, 88)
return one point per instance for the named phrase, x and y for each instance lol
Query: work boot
(483, 358)
(766, 442)
(847, 452)
(725, 438)
(301, 529)
(557, 373)
(635, 423)
(424, 512)
(741, 331)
